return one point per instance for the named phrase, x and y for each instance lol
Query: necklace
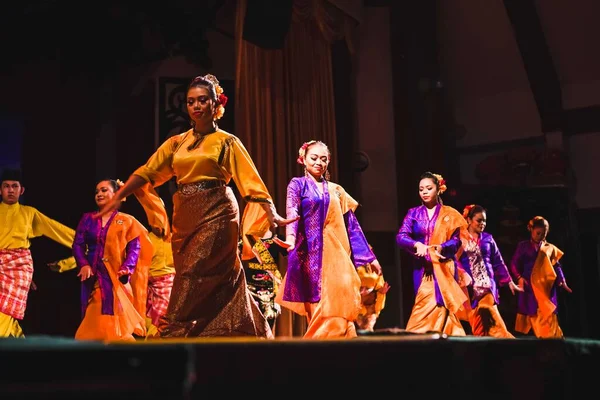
(200, 137)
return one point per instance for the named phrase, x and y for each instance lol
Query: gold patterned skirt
(209, 296)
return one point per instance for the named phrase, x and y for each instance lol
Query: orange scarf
(543, 277)
(448, 221)
(118, 238)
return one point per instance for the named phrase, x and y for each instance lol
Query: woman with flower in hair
(113, 254)
(325, 246)
(537, 269)
(482, 261)
(209, 295)
(431, 234)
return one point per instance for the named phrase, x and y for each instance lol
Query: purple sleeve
(361, 252)
(132, 253)
(451, 246)
(498, 265)
(516, 266)
(292, 206)
(404, 237)
(79, 246)
(559, 272)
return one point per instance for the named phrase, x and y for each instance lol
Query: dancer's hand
(277, 220)
(112, 205)
(85, 273)
(54, 266)
(522, 283)
(514, 287)
(564, 285)
(420, 249)
(376, 267)
(384, 289)
(274, 218)
(289, 244)
(437, 250)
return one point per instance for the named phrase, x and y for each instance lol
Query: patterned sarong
(159, 293)
(210, 296)
(16, 272)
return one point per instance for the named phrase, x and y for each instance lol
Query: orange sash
(448, 221)
(543, 277)
(118, 238)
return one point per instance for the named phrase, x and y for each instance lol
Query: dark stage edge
(381, 364)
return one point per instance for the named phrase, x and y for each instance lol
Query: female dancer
(113, 254)
(431, 233)
(482, 260)
(209, 296)
(536, 267)
(325, 246)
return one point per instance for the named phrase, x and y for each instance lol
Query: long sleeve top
(492, 272)
(20, 223)
(417, 227)
(303, 279)
(89, 248)
(220, 155)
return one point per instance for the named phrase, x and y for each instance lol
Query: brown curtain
(284, 97)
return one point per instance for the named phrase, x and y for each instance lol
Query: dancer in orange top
(113, 254)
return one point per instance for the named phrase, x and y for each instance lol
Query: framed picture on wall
(172, 113)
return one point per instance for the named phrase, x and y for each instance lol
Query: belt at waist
(195, 187)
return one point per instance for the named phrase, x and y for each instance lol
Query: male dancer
(18, 225)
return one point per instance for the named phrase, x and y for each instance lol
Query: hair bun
(211, 78)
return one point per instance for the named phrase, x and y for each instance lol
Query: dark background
(66, 70)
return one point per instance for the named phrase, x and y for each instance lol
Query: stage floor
(407, 364)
